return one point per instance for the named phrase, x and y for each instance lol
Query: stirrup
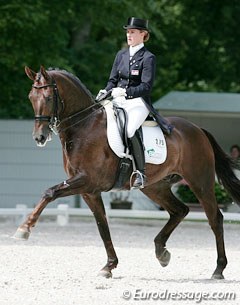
(141, 177)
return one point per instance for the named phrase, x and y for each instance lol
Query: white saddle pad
(153, 139)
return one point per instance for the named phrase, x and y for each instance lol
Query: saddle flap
(153, 139)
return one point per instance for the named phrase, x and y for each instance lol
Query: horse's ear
(44, 73)
(30, 73)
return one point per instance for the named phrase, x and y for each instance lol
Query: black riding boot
(139, 158)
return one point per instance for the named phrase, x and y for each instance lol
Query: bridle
(54, 118)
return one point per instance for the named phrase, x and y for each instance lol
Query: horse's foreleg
(161, 194)
(66, 188)
(95, 203)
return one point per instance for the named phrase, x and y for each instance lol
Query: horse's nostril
(42, 138)
(39, 139)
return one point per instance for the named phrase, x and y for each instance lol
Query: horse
(62, 103)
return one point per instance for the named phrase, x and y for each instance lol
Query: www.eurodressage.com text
(198, 297)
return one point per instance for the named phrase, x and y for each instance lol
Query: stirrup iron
(142, 177)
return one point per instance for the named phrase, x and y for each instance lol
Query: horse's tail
(224, 169)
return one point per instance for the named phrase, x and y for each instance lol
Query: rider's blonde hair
(146, 36)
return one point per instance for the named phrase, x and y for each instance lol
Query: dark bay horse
(62, 103)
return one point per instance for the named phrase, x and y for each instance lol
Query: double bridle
(54, 118)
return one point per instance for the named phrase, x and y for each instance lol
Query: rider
(131, 81)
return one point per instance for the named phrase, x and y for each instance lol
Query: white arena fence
(63, 213)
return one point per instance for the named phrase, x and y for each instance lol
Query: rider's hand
(100, 93)
(117, 92)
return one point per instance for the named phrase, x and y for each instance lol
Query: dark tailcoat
(135, 75)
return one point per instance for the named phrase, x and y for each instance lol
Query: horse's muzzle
(42, 139)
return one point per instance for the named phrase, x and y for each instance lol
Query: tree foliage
(196, 44)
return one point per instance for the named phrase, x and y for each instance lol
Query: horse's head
(44, 99)
(51, 112)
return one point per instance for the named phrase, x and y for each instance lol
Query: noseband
(54, 118)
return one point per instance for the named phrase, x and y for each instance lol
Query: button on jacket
(136, 75)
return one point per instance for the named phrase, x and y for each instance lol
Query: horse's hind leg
(205, 194)
(161, 194)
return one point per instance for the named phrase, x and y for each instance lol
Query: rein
(54, 121)
(74, 117)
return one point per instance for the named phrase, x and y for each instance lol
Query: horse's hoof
(21, 234)
(105, 273)
(164, 258)
(217, 277)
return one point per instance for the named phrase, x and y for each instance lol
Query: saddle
(125, 166)
(149, 134)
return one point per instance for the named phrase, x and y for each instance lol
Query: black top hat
(136, 23)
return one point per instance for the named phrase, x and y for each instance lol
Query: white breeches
(136, 111)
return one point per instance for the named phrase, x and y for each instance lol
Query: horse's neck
(77, 105)
(74, 98)
(82, 124)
